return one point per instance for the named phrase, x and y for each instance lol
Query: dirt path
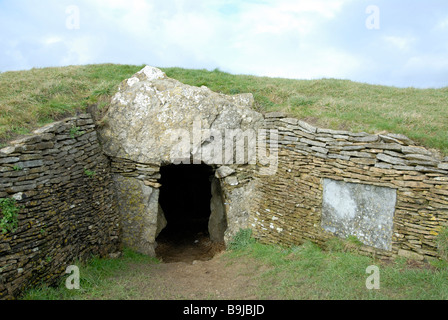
(187, 248)
(190, 272)
(212, 279)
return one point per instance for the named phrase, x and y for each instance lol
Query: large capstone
(151, 111)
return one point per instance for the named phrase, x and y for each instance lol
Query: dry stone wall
(62, 182)
(289, 205)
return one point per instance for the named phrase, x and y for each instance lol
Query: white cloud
(51, 40)
(401, 43)
(427, 64)
(441, 25)
(307, 62)
(325, 8)
(81, 50)
(133, 17)
(279, 40)
(278, 17)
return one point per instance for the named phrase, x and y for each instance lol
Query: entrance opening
(185, 198)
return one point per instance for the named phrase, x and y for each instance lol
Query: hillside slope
(29, 99)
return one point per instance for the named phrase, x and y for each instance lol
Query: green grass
(308, 272)
(442, 243)
(29, 99)
(9, 212)
(94, 280)
(304, 272)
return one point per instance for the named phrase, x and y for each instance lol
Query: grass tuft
(94, 279)
(442, 243)
(241, 240)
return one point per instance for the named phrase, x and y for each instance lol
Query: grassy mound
(29, 99)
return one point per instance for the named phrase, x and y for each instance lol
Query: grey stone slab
(313, 143)
(320, 150)
(360, 210)
(369, 138)
(292, 121)
(390, 159)
(9, 160)
(357, 154)
(338, 156)
(384, 146)
(307, 127)
(330, 131)
(399, 137)
(275, 115)
(415, 150)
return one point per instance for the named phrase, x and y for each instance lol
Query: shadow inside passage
(185, 198)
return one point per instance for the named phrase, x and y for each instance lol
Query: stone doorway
(192, 203)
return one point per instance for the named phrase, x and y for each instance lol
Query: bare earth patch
(212, 279)
(194, 271)
(217, 278)
(187, 248)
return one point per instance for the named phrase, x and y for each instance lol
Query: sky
(402, 43)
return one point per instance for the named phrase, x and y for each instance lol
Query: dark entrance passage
(185, 198)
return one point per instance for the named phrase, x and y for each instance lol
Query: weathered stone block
(357, 154)
(415, 150)
(184, 109)
(332, 132)
(32, 163)
(410, 255)
(399, 138)
(292, 121)
(224, 171)
(419, 157)
(384, 146)
(369, 138)
(275, 115)
(140, 208)
(390, 159)
(361, 210)
(307, 127)
(313, 143)
(7, 151)
(9, 160)
(364, 161)
(338, 156)
(320, 150)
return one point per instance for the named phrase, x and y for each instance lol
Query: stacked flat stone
(289, 204)
(62, 182)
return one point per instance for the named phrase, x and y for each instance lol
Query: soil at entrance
(217, 278)
(187, 248)
(192, 268)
